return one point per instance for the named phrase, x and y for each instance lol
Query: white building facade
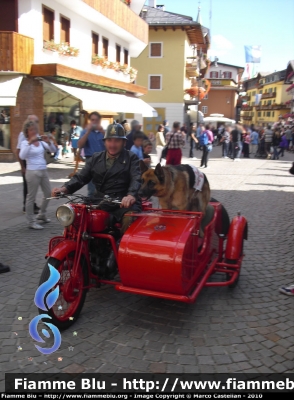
(59, 57)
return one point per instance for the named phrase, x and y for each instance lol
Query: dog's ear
(159, 172)
(143, 167)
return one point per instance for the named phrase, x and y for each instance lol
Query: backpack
(203, 139)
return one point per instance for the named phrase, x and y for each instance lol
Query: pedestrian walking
(74, 135)
(288, 136)
(91, 140)
(253, 141)
(52, 137)
(21, 138)
(246, 144)
(268, 139)
(166, 127)
(175, 140)
(193, 141)
(276, 144)
(283, 145)
(236, 143)
(206, 141)
(160, 142)
(225, 140)
(199, 130)
(33, 151)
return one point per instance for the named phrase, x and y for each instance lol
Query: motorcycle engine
(102, 258)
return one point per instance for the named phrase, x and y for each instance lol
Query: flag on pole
(252, 54)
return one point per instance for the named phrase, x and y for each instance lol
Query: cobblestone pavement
(249, 328)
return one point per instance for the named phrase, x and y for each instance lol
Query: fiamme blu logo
(45, 300)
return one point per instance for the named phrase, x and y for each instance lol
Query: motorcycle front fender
(63, 248)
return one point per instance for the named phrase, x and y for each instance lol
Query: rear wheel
(72, 294)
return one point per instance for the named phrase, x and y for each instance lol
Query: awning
(218, 118)
(109, 103)
(9, 86)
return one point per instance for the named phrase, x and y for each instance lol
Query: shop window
(268, 114)
(48, 24)
(59, 111)
(64, 30)
(264, 113)
(105, 44)
(126, 57)
(155, 82)
(155, 50)
(118, 51)
(259, 114)
(204, 109)
(213, 74)
(95, 43)
(5, 128)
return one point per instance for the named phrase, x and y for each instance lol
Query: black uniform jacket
(122, 179)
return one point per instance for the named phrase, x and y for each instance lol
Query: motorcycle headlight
(65, 215)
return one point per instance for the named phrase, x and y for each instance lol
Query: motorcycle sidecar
(162, 254)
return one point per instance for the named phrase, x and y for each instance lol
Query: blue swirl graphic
(50, 301)
(45, 287)
(33, 329)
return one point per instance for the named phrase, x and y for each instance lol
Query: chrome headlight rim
(69, 210)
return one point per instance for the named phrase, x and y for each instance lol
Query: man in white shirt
(21, 137)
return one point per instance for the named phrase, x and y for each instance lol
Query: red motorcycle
(160, 255)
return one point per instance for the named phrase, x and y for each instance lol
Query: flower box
(61, 48)
(114, 66)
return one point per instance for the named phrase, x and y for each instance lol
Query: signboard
(220, 82)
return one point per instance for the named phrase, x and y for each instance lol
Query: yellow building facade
(163, 65)
(272, 99)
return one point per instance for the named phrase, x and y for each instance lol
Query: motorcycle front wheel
(72, 295)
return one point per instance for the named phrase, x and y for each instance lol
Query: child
(147, 148)
(137, 146)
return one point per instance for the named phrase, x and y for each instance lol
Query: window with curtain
(155, 49)
(95, 43)
(155, 82)
(213, 74)
(64, 30)
(105, 44)
(48, 24)
(118, 51)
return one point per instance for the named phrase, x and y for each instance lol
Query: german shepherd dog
(175, 187)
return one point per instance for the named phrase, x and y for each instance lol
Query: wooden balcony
(123, 16)
(248, 108)
(269, 95)
(16, 52)
(246, 98)
(247, 118)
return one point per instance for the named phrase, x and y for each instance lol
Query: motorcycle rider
(115, 172)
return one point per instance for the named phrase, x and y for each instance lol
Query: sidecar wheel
(64, 312)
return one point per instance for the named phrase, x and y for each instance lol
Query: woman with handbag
(33, 151)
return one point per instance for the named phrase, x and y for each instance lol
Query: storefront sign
(223, 82)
